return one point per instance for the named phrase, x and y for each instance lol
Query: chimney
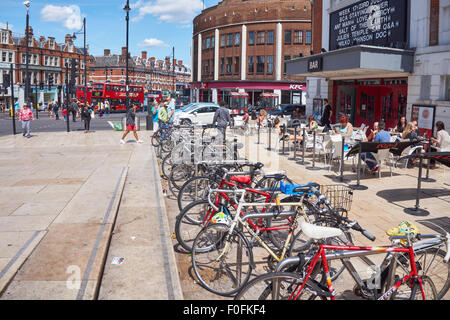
(152, 59)
(144, 55)
(174, 62)
(68, 38)
(107, 52)
(41, 39)
(124, 51)
(180, 63)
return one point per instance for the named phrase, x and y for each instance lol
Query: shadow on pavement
(397, 195)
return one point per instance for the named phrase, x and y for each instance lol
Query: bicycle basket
(340, 196)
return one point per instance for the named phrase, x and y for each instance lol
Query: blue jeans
(369, 159)
(26, 127)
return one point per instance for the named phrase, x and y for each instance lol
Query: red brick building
(242, 45)
(46, 57)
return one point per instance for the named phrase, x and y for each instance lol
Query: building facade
(243, 45)
(380, 60)
(168, 75)
(46, 57)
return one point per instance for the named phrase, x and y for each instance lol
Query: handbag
(92, 115)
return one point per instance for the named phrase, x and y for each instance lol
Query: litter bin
(149, 123)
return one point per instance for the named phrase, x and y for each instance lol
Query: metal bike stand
(259, 129)
(427, 178)
(235, 149)
(417, 211)
(314, 154)
(295, 144)
(358, 186)
(283, 134)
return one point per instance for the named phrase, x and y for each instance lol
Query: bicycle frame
(321, 255)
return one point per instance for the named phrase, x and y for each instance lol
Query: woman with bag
(86, 117)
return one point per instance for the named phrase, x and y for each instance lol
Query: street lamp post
(27, 75)
(127, 9)
(74, 37)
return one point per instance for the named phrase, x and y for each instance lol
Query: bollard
(304, 146)
(342, 159)
(284, 134)
(235, 149)
(295, 143)
(259, 127)
(270, 136)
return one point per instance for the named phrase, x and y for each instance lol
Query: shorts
(131, 128)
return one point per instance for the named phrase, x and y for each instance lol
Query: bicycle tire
(216, 270)
(262, 287)
(180, 174)
(189, 222)
(166, 166)
(190, 193)
(404, 292)
(156, 138)
(437, 270)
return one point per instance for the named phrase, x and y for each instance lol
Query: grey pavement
(60, 197)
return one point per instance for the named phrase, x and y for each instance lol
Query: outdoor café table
(373, 147)
(442, 157)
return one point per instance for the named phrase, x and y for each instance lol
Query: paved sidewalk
(59, 199)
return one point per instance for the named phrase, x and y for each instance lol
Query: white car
(196, 113)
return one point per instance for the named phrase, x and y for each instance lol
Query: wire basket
(340, 196)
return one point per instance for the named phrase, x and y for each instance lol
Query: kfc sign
(296, 87)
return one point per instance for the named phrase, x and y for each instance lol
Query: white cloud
(70, 16)
(152, 42)
(172, 11)
(3, 26)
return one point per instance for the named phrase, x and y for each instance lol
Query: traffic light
(50, 81)
(6, 80)
(74, 68)
(41, 86)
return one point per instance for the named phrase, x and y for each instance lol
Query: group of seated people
(403, 130)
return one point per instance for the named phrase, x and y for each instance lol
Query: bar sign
(315, 64)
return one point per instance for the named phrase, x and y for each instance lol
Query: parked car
(196, 113)
(286, 110)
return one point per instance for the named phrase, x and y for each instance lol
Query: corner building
(380, 60)
(243, 45)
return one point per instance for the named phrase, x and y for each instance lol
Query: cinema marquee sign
(371, 22)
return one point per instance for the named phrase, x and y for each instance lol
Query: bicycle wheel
(156, 138)
(411, 290)
(194, 189)
(189, 222)
(180, 174)
(222, 263)
(430, 263)
(166, 166)
(276, 286)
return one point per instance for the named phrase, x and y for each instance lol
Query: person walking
(107, 107)
(155, 112)
(73, 108)
(131, 124)
(55, 110)
(170, 108)
(222, 118)
(26, 116)
(86, 117)
(326, 116)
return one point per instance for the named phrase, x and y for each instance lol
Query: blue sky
(155, 25)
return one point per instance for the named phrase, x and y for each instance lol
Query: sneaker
(140, 141)
(375, 170)
(122, 141)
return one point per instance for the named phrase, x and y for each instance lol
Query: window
(206, 67)
(3, 56)
(308, 37)
(222, 65)
(269, 64)
(212, 66)
(35, 59)
(4, 37)
(434, 22)
(261, 37)
(259, 64)
(208, 43)
(229, 40)
(251, 65)
(10, 57)
(237, 39)
(229, 65)
(287, 37)
(46, 61)
(236, 65)
(213, 40)
(286, 58)
(251, 38)
(222, 40)
(270, 37)
(298, 36)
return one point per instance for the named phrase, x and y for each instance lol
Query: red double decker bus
(116, 95)
(84, 93)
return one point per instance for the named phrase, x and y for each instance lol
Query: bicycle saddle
(257, 165)
(318, 232)
(242, 179)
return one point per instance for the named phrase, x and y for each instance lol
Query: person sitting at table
(373, 133)
(401, 125)
(286, 137)
(441, 143)
(382, 137)
(312, 124)
(411, 134)
(297, 114)
(346, 127)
